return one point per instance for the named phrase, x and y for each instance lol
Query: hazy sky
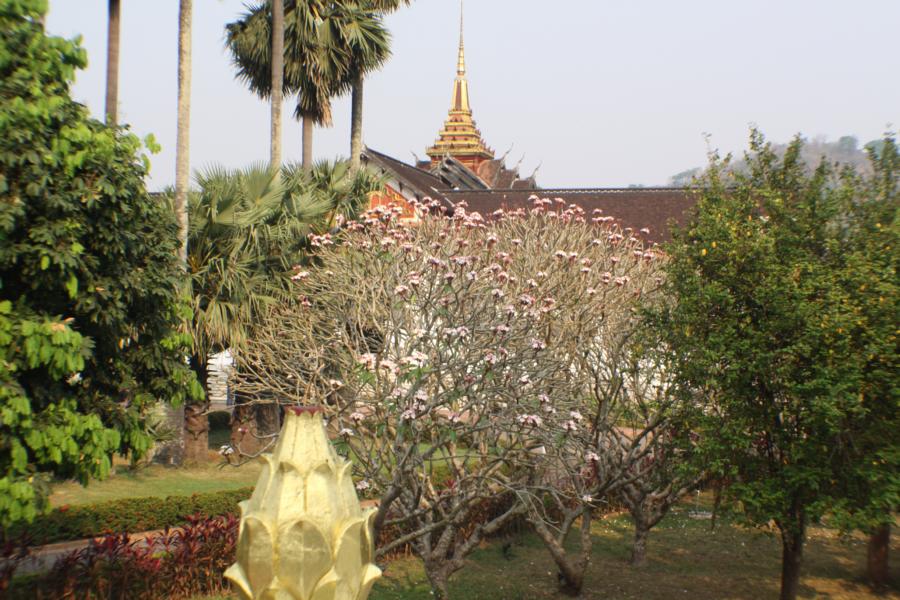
(596, 92)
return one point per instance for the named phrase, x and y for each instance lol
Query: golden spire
(459, 137)
(461, 63)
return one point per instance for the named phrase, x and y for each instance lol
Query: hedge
(131, 515)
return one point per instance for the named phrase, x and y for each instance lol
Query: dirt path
(42, 558)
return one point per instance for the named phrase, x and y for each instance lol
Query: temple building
(463, 168)
(460, 138)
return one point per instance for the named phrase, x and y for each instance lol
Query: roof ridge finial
(461, 64)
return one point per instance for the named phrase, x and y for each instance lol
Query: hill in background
(846, 150)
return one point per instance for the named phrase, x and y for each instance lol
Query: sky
(591, 93)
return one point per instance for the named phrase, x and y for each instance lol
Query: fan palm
(247, 229)
(361, 29)
(329, 49)
(314, 68)
(346, 191)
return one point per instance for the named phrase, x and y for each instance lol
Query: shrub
(132, 515)
(13, 553)
(181, 563)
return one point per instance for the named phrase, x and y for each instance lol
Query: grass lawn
(685, 560)
(156, 480)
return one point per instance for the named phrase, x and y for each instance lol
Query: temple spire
(461, 63)
(460, 137)
(461, 84)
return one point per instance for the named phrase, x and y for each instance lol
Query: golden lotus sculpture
(303, 535)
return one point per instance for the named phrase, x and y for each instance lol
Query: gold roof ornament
(459, 137)
(303, 535)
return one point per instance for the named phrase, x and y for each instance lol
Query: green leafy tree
(870, 308)
(88, 277)
(761, 326)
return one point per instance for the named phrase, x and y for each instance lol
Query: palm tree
(182, 174)
(277, 80)
(313, 64)
(359, 27)
(369, 48)
(346, 191)
(248, 229)
(112, 63)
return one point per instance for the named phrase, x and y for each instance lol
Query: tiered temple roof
(460, 138)
(463, 172)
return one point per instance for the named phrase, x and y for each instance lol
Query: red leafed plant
(176, 563)
(13, 553)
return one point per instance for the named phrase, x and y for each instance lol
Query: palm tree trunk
(182, 145)
(112, 63)
(356, 123)
(307, 142)
(182, 149)
(196, 419)
(277, 80)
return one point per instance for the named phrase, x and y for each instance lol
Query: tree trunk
(438, 579)
(307, 142)
(639, 546)
(112, 63)
(182, 145)
(243, 429)
(791, 557)
(277, 81)
(570, 577)
(356, 123)
(171, 453)
(268, 420)
(196, 433)
(877, 570)
(196, 419)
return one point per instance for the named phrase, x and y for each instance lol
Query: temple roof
(421, 181)
(453, 182)
(637, 208)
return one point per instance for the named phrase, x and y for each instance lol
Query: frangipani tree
(452, 358)
(414, 340)
(601, 435)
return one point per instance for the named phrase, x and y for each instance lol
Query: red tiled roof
(638, 208)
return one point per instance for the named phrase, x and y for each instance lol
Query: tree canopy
(89, 312)
(780, 293)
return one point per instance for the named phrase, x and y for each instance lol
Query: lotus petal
(348, 554)
(327, 587)
(370, 576)
(255, 552)
(304, 556)
(322, 500)
(237, 576)
(368, 539)
(265, 478)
